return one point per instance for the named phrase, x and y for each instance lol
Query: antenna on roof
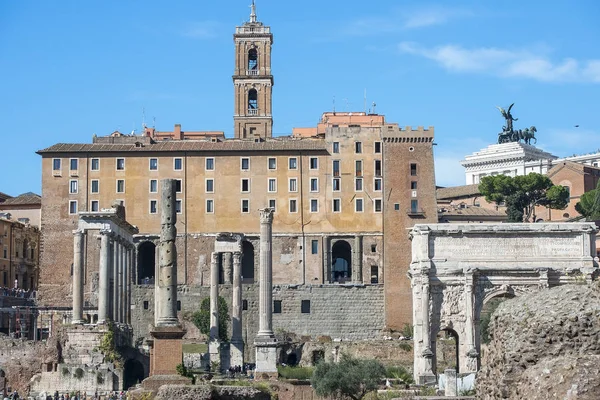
(374, 105)
(153, 122)
(365, 101)
(143, 117)
(334, 104)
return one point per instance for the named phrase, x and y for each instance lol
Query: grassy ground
(195, 348)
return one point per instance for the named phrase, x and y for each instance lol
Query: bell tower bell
(252, 79)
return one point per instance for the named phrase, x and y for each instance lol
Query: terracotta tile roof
(28, 198)
(268, 145)
(4, 196)
(457, 191)
(472, 212)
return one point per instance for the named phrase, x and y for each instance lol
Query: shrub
(399, 372)
(201, 318)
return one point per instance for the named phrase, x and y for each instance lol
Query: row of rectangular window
(358, 147)
(245, 185)
(178, 164)
(358, 168)
(336, 205)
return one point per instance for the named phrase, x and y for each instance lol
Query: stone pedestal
(451, 387)
(165, 355)
(266, 359)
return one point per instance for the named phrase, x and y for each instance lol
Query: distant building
(26, 208)
(516, 158)
(19, 254)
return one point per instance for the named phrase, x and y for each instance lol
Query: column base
(214, 352)
(266, 357)
(236, 353)
(426, 379)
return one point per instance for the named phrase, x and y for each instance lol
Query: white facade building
(516, 158)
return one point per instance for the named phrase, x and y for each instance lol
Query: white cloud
(397, 21)
(519, 63)
(201, 30)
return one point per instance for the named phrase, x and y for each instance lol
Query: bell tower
(252, 79)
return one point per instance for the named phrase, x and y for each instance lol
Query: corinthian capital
(266, 215)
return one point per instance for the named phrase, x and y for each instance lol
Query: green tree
(351, 378)
(589, 204)
(522, 194)
(201, 318)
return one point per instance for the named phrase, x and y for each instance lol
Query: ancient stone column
(129, 279)
(237, 342)
(115, 279)
(123, 280)
(104, 277)
(265, 342)
(357, 260)
(266, 274)
(214, 344)
(119, 285)
(167, 287)
(214, 297)
(78, 242)
(326, 259)
(468, 361)
(226, 257)
(426, 353)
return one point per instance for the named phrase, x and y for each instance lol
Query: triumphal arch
(457, 268)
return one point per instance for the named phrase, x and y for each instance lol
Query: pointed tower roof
(253, 13)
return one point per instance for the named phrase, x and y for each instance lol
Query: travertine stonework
(457, 268)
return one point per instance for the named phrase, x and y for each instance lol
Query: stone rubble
(544, 345)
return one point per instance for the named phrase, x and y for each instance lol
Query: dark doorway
(446, 350)
(133, 373)
(341, 262)
(146, 263)
(247, 262)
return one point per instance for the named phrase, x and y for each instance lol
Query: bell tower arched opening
(146, 263)
(253, 61)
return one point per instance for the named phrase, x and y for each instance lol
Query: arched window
(247, 262)
(341, 262)
(252, 100)
(146, 263)
(252, 60)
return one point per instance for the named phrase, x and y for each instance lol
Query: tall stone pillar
(119, 285)
(468, 360)
(265, 342)
(104, 278)
(236, 352)
(116, 250)
(167, 349)
(426, 355)
(78, 242)
(123, 281)
(129, 278)
(167, 285)
(227, 272)
(357, 254)
(214, 341)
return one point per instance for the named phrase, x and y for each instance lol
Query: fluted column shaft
(78, 242)
(214, 296)
(115, 279)
(104, 278)
(266, 274)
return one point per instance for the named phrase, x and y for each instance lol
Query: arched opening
(252, 100)
(485, 315)
(25, 281)
(133, 373)
(446, 350)
(292, 359)
(146, 263)
(341, 262)
(317, 356)
(252, 60)
(247, 262)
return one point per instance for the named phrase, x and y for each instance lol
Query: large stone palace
(344, 193)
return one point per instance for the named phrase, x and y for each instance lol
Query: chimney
(177, 132)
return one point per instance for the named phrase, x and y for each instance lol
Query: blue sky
(71, 69)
